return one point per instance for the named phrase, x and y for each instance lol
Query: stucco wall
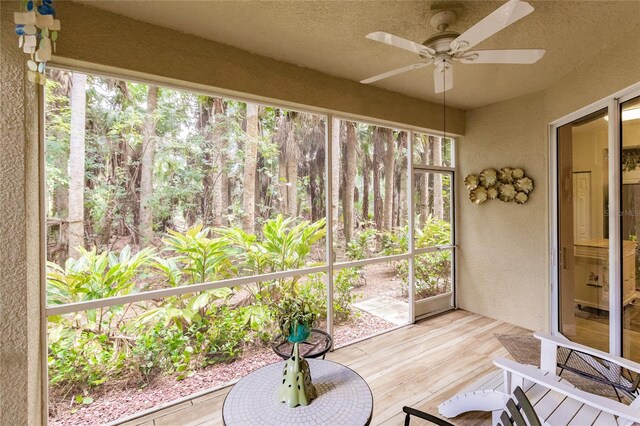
(504, 257)
(127, 44)
(19, 235)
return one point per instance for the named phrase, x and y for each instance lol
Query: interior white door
(582, 206)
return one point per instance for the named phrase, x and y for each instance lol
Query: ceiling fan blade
(509, 56)
(499, 19)
(400, 42)
(443, 78)
(394, 72)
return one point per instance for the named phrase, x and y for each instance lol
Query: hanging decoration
(507, 184)
(37, 31)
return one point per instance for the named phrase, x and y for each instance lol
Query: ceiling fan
(447, 46)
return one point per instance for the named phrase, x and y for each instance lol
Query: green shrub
(343, 296)
(432, 270)
(432, 274)
(362, 245)
(178, 334)
(225, 336)
(79, 358)
(314, 292)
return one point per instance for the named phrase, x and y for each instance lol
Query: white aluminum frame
(329, 221)
(328, 269)
(612, 105)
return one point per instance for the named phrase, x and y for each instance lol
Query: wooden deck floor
(419, 365)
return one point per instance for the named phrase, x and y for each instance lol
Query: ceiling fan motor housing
(441, 42)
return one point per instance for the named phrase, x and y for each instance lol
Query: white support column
(411, 224)
(329, 211)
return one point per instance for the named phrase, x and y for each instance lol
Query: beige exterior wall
(504, 256)
(504, 248)
(105, 39)
(19, 235)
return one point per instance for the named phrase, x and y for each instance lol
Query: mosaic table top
(344, 398)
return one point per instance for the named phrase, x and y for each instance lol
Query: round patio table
(344, 398)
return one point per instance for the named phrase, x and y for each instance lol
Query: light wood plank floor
(419, 365)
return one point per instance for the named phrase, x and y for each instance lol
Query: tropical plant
(288, 243)
(95, 276)
(360, 246)
(203, 259)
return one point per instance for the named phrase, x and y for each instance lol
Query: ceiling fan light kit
(445, 47)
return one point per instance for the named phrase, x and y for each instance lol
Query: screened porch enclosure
(177, 222)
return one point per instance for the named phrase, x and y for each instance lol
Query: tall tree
(311, 161)
(146, 165)
(367, 166)
(380, 137)
(77, 163)
(350, 179)
(400, 207)
(438, 203)
(423, 183)
(249, 174)
(205, 123)
(288, 170)
(210, 123)
(335, 169)
(389, 175)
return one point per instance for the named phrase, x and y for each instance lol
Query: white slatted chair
(556, 401)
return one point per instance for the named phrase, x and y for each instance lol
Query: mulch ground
(119, 401)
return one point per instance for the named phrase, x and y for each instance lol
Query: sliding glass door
(583, 230)
(596, 220)
(630, 222)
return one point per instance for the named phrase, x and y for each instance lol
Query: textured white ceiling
(328, 36)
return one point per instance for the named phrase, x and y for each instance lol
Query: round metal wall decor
(508, 184)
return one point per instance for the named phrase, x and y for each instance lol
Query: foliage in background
(432, 270)
(177, 334)
(200, 232)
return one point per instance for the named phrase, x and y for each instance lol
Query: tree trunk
(366, 183)
(60, 203)
(288, 167)
(438, 203)
(424, 188)
(389, 175)
(220, 153)
(292, 171)
(317, 157)
(401, 181)
(205, 120)
(249, 175)
(380, 136)
(350, 179)
(335, 169)
(146, 171)
(77, 163)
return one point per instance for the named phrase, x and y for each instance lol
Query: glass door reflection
(630, 218)
(583, 227)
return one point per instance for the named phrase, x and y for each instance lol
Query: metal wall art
(507, 184)
(37, 31)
